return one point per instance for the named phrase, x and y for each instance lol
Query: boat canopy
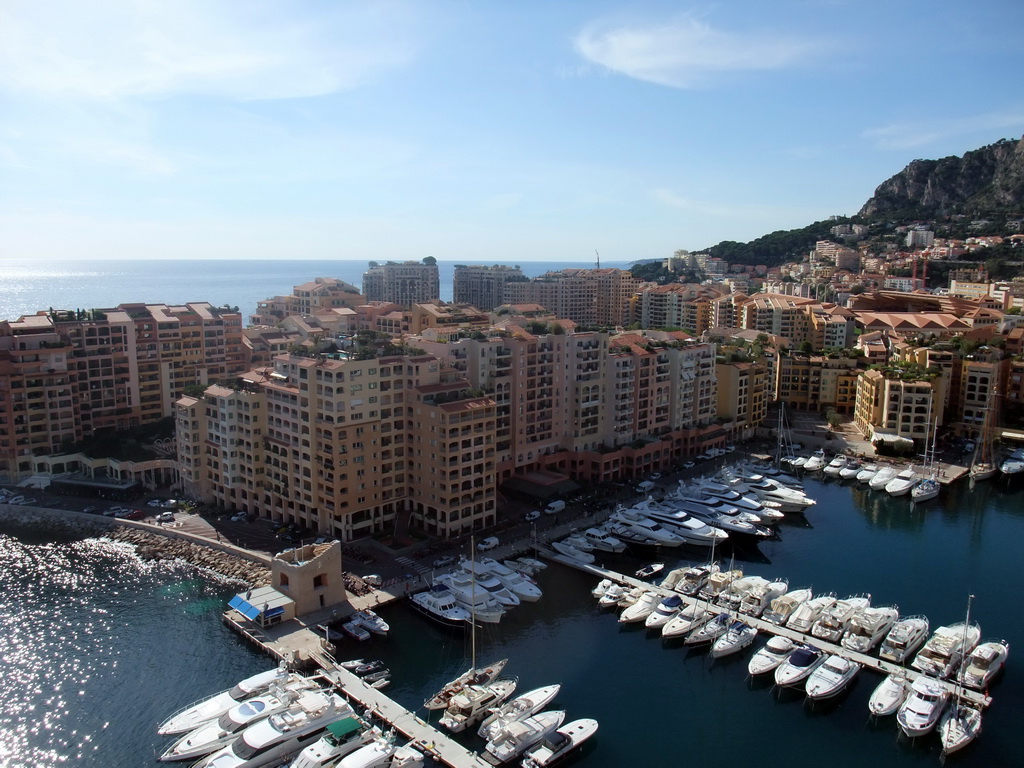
(342, 728)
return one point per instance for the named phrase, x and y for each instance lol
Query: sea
(99, 647)
(26, 287)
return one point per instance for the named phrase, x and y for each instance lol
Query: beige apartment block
(816, 382)
(743, 394)
(895, 404)
(785, 316)
(404, 283)
(442, 317)
(676, 306)
(483, 286)
(318, 295)
(585, 296)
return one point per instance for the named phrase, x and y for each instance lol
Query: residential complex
(404, 283)
(483, 286)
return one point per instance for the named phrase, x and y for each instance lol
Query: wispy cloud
(689, 53)
(111, 49)
(936, 128)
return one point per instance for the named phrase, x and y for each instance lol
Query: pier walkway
(869, 662)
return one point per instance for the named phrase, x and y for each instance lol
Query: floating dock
(869, 662)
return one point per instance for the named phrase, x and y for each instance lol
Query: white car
(688, 465)
(489, 543)
(165, 517)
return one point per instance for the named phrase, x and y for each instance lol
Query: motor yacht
(889, 694)
(959, 726)
(672, 578)
(383, 752)
(851, 470)
(926, 490)
(611, 596)
(984, 663)
(214, 734)
(733, 504)
(806, 614)
(570, 551)
(718, 582)
(833, 467)
(721, 515)
(691, 617)
(649, 571)
(602, 586)
(752, 473)
(767, 513)
(867, 472)
(522, 587)
(214, 706)
(438, 604)
(770, 655)
(710, 631)
(831, 678)
(906, 636)
(868, 627)
(693, 531)
(920, 713)
(694, 578)
(797, 462)
(472, 676)
(663, 612)
(759, 597)
(560, 744)
(629, 536)
(341, 738)
(782, 607)
(1013, 464)
(640, 609)
(946, 649)
(645, 526)
(631, 596)
(372, 622)
(798, 666)
(738, 636)
(515, 738)
(731, 597)
(902, 483)
(815, 462)
(355, 630)
(523, 706)
(837, 617)
(471, 596)
(882, 478)
(474, 702)
(273, 740)
(489, 583)
(602, 540)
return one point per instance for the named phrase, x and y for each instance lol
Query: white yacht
(833, 467)
(371, 622)
(770, 655)
(906, 636)
(919, 714)
(611, 595)
(717, 583)
(690, 618)
(525, 705)
(851, 470)
(803, 618)
(382, 752)
(559, 745)
(272, 741)
(693, 531)
(946, 649)
(515, 738)
(837, 617)
(570, 551)
(868, 628)
(645, 526)
(341, 737)
(798, 666)
(438, 603)
(889, 694)
(959, 726)
(902, 483)
(831, 678)
(710, 631)
(471, 596)
(759, 597)
(486, 580)
(663, 612)
(882, 478)
(474, 702)
(524, 588)
(602, 540)
(718, 514)
(926, 490)
(782, 607)
(768, 513)
(578, 540)
(984, 663)
(472, 676)
(214, 706)
(731, 597)
(214, 734)
(640, 609)
(694, 578)
(867, 472)
(738, 636)
(602, 586)
(815, 462)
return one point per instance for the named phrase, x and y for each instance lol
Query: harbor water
(99, 646)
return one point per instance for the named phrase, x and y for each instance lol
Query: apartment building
(676, 306)
(785, 316)
(403, 283)
(441, 317)
(831, 327)
(345, 447)
(816, 382)
(743, 394)
(319, 294)
(483, 286)
(897, 403)
(585, 296)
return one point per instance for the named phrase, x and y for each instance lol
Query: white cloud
(936, 128)
(688, 53)
(112, 49)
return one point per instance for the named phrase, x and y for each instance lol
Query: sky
(476, 131)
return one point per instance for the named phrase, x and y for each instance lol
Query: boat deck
(869, 662)
(422, 735)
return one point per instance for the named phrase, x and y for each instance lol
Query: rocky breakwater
(153, 546)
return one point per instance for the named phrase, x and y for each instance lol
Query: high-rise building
(483, 286)
(405, 283)
(585, 296)
(319, 294)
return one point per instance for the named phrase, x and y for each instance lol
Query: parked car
(239, 517)
(373, 579)
(91, 510)
(165, 517)
(532, 515)
(487, 544)
(442, 562)
(688, 465)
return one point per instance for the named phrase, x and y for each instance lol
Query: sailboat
(929, 488)
(961, 723)
(983, 465)
(784, 449)
(473, 675)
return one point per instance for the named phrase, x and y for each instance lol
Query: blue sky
(476, 131)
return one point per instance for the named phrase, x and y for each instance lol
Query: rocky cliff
(985, 180)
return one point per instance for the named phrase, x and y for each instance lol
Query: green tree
(430, 261)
